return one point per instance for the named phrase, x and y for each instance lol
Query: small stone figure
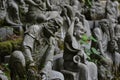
(102, 35)
(40, 10)
(112, 13)
(39, 45)
(13, 7)
(45, 49)
(112, 9)
(74, 54)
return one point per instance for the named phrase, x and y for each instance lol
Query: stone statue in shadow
(39, 46)
(104, 45)
(74, 56)
(40, 10)
(112, 9)
(13, 7)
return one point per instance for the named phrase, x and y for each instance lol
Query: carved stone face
(78, 29)
(104, 26)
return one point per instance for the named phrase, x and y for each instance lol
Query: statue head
(52, 26)
(104, 25)
(78, 29)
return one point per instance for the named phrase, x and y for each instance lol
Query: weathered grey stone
(2, 76)
(74, 55)
(38, 60)
(97, 11)
(5, 32)
(112, 9)
(43, 53)
(13, 7)
(106, 46)
(17, 66)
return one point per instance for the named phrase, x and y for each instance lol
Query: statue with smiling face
(74, 54)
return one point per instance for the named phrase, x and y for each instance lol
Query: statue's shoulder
(33, 29)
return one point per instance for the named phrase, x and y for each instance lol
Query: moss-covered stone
(7, 47)
(17, 44)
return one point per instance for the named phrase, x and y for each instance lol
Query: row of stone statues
(49, 22)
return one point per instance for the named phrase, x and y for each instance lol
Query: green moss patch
(7, 47)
